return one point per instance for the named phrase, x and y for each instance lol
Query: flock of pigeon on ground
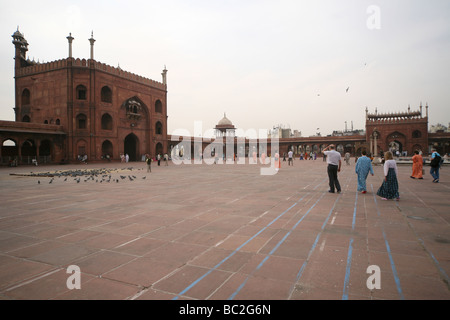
(101, 175)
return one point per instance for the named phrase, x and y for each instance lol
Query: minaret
(164, 75)
(92, 40)
(70, 39)
(21, 46)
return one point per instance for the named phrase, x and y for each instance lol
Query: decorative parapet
(41, 67)
(128, 75)
(83, 63)
(395, 117)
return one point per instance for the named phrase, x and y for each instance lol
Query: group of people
(149, 160)
(389, 186)
(82, 158)
(310, 156)
(124, 157)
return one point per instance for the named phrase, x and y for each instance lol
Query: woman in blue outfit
(362, 169)
(389, 188)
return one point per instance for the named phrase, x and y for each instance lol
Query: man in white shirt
(290, 159)
(334, 166)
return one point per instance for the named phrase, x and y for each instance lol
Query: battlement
(83, 63)
(396, 117)
(41, 67)
(128, 75)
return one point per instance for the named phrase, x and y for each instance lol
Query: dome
(225, 121)
(17, 34)
(225, 127)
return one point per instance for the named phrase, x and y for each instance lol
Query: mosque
(72, 108)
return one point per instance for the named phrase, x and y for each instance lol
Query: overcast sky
(263, 62)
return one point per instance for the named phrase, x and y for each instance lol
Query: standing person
(334, 166)
(148, 161)
(166, 158)
(347, 158)
(417, 166)
(363, 167)
(127, 158)
(158, 157)
(435, 165)
(389, 187)
(277, 161)
(290, 159)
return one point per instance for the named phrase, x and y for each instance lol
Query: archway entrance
(107, 149)
(45, 149)
(159, 149)
(131, 146)
(395, 146)
(29, 148)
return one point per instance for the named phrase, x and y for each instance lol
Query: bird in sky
(347, 89)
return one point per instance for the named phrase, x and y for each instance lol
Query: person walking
(290, 158)
(435, 165)
(277, 161)
(334, 166)
(362, 169)
(148, 161)
(389, 187)
(417, 166)
(347, 158)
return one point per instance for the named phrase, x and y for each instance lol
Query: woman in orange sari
(417, 166)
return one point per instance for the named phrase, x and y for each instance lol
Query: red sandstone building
(75, 107)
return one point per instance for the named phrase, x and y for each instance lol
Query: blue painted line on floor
(349, 255)
(300, 273)
(441, 270)
(238, 249)
(274, 249)
(394, 269)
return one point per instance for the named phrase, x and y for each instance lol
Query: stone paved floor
(221, 232)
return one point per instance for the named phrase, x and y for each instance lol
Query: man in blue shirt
(435, 168)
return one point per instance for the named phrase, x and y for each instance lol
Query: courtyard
(217, 232)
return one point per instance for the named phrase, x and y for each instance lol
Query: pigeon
(347, 89)
(39, 182)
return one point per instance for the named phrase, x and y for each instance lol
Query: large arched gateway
(131, 146)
